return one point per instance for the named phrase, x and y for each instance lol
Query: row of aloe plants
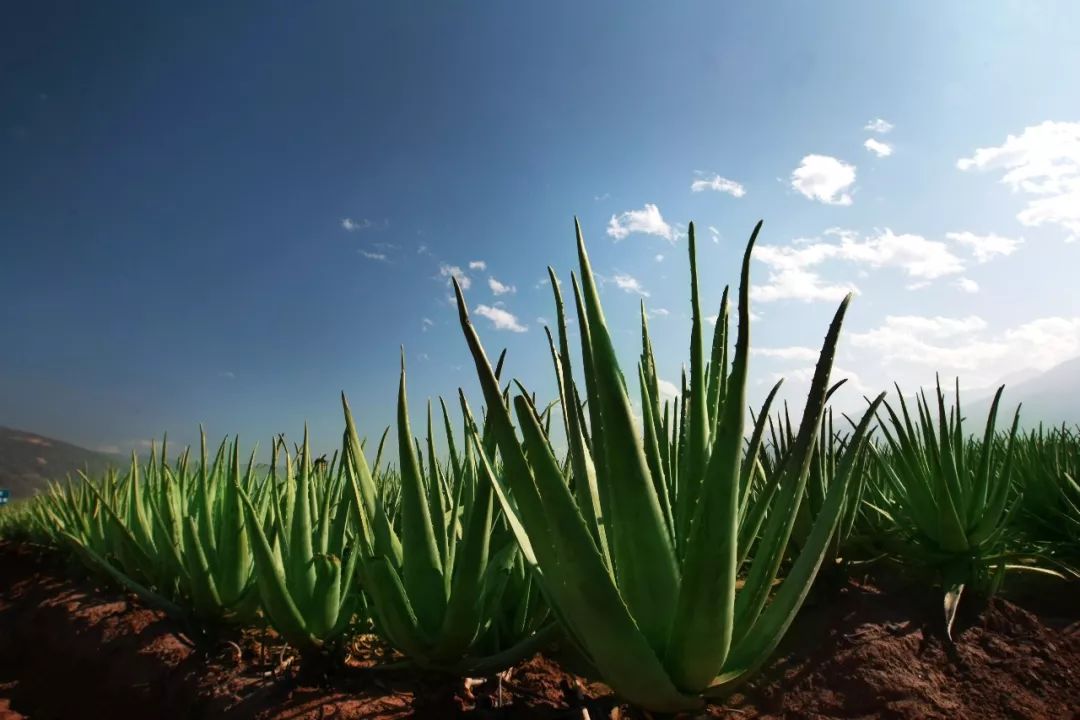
(667, 553)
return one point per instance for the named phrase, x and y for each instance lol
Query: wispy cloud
(1042, 162)
(363, 224)
(965, 346)
(381, 257)
(499, 288)
(717, 183)
(453, 271)
(986, 247)
(227, 374)
(878, 125)
(659, 312)
(426, 323)
(881, 149)
(647, 221)
(629, 283)
(502, 319)
(477, 265)
(824, 179)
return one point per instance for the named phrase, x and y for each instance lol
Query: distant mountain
(29, 461)
(1050, 398)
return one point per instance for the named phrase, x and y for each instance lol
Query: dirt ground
(867, 649)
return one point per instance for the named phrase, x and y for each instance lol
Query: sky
(228, 214)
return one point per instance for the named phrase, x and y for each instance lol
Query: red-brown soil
(71, 650)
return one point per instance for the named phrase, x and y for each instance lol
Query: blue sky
(228, 214)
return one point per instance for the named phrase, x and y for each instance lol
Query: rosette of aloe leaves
(638, 540)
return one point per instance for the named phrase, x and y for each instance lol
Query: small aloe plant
(449, 590)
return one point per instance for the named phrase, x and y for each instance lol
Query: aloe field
(665, 548)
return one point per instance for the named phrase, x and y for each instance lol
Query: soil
(867, 648)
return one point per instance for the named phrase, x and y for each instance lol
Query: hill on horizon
(28, 461)
(1050, 398)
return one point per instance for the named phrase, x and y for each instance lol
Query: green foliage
(637, 541)
(448, 588)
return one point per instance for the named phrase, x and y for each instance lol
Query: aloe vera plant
(1048, 478)
(637, 541)
(172, 534)
(304, 548)
(449, 589)
(950, 498)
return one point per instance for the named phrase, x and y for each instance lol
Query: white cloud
(881, 149)
(719, 184)
(667, 389)
(498, 288)
(967, 285)
(1043, 162)
(541, 320)
(647, 221)
(790, 266)
(227, 374)
(500, 318)
(477, 265)
(917, 256)
(985, 247)
(659, 312)
(799, 284)
(795, 352)
(426, 323)
(964, 347)
(659, 258)
(715, 234)
(453, 271)
(630, 284)
(362, 224)
(878, 125)
(381, 257)
(825, 179)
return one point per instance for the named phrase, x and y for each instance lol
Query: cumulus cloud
(630, 284)
(719, 184)
(477, 265)
(453, 271)
(499, 288)
(500, 318)
(647, 221)
(881, 149)
(1042, 163)
(986, 247)
(824, 179)
(792, 274)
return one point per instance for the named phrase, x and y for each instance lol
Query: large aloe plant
(637, 542)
